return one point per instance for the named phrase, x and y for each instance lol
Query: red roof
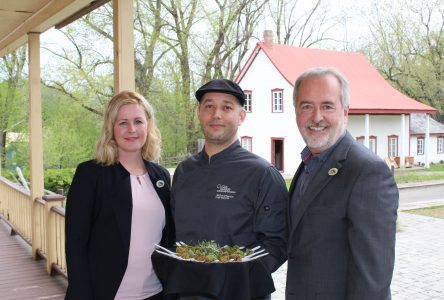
(369, 91)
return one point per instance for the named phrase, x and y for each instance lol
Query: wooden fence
(40, 222)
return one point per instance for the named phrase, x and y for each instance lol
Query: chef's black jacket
(234, 198)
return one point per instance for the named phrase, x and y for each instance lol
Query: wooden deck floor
(20, 276)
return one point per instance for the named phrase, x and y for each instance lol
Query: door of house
(277, 153)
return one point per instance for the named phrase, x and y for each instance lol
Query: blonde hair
(106, 147)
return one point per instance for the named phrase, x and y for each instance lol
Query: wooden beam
(51, 13)
(77, 15)
(124, 75)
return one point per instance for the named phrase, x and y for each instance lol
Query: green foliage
(69, 132)
(17, 152)
(173, 119)
(56, 179)
(13, 102)
(8, 174)
(407, 47)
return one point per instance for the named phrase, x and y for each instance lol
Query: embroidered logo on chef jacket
(224, 192)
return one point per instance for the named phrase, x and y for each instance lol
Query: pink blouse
(148, 221)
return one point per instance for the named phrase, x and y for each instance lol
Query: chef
(226, 193)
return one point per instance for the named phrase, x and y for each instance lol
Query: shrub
(9, 175)
(56, 179)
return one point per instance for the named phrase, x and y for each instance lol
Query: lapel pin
(160, 183)
(332, 171)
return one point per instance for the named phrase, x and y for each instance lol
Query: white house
(379, 115)
(418, 124)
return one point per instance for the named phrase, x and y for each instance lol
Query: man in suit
(343, 202)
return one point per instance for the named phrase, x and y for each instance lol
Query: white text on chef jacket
(224, 192)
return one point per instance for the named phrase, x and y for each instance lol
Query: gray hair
(319, 72)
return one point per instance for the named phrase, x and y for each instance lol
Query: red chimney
(268, 38)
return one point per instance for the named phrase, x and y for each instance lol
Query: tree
(407, 47)
(69, 135)
(13, 103)
(181, 17)
(179, 45)
(299, 26)
(149, 52)
(207, 51)
(231, 26)
(81, 69)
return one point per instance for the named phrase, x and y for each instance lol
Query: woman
(118, 208)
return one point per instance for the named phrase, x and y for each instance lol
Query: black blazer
(98, 227)
(342, 238)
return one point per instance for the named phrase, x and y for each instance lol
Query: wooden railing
(40, 222)
(15, 208)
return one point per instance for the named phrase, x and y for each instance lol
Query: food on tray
(210, 251)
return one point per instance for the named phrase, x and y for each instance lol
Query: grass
(435, 211)
(437, 167)
(435, 172)
(417, 177)
(288, 182)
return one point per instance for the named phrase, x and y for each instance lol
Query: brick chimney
(268, 38)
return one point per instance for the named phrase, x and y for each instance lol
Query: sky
(350, 19)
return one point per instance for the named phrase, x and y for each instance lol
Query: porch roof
(18, 17)
(418, 125)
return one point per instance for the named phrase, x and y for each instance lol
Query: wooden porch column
(367, 131)
(35, 133)
(427, 142)
(124, 77)
(402, 142)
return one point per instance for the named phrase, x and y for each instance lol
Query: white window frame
(247, 143)
(247, 105)
(372, 144)
(393, 146)
(420, 146)
(440, 144)
(277, 103)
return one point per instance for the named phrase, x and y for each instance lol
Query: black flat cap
(221, 86)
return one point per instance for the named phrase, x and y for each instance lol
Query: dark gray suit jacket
(342, 239)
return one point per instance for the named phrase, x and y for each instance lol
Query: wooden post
(402, 141)
(124, 75)
(35, 135)
(427, 143)
(51, 239)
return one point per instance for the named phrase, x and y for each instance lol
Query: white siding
(433, 155)
(261, 124)
(382, 127)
